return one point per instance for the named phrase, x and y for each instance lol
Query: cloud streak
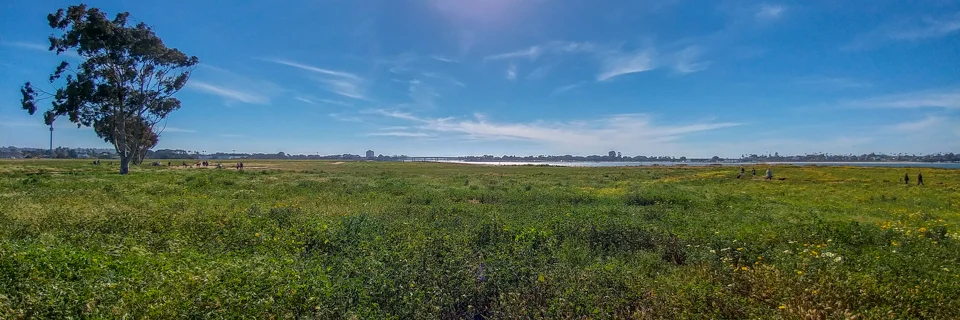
(947, 99)
(610, 132)
(531, 53)
(920, 125)
(305, 100)
(687, 60)
(768, 11)
(444, 59)
(335, 102)
(38, 47)
(180, 130)
(228, 93)
(617, 64)
(329, 72)
(335, 81)
(38, 123)
(343, 87)
(512, 72)
(612, 59)
(568, 87)
(909, 29)
(399, 134)
(835, 83)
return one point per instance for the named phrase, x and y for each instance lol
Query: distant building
(371, 155)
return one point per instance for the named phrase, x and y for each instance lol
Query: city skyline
(450, 78)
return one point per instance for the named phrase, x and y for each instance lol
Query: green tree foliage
(147, 139)
(124, 85)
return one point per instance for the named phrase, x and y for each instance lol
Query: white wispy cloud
(23, 123)
(834, 83)
(609, 132)
(540, 72)
(568, 87)
(927, 123)
(444, 78)
(512, 72)
(688, 60)
(302, 99)
(534, 52)
(618, 64)
(339, 82)
(393, 114)
(344, 87)
(530, 53)
(345, 118)
(422, 94)
(400, 134)
(335, 102)
(770, 11)
(27, 45)
(180, 130)
(613, 60)
(228, 93)
(947, 99)
(927, 27)
(329, 72)
(37, 47)
(907, 29)
(444, 59)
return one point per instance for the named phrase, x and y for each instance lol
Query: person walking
(754, 172)
(906, 178)
(769, 174)
(741, 173)
(919, 179)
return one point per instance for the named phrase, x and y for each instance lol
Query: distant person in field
(906, 178)
(741, 173)
(754, 172)
(919, 179)
(769, 174)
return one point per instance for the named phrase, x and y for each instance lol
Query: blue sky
(454, 77)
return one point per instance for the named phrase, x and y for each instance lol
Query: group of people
(906, 179)
(769, 175)
(96, 162)
(205, 164)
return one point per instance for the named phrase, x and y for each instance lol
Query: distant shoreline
(574, 163)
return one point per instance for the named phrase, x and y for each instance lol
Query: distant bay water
(941, 165)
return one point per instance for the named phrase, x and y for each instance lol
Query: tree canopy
(123, 86)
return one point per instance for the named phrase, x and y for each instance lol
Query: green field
(364, 240)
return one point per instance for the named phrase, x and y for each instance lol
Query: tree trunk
(124, 164)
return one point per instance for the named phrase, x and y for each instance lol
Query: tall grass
(403, 240)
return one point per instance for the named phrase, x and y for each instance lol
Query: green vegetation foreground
(413, 240)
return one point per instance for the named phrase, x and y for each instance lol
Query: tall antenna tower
(51, 141)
